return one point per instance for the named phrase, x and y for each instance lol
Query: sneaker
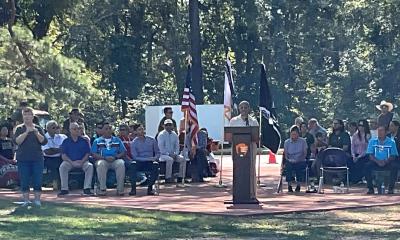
(102, 192)
(87, 192)
(297, 188)
(290, 189)
(370, 191)
(37, 203)
(25, 203)
(120, 194)
(179, 180)
(63, 193)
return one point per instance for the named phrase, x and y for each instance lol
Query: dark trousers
(53, 166)
(392, 166)
(357, 169)
(151, 168)
(30, 170)
(199, 165)
(298, 168)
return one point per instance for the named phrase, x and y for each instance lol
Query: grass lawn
(62, 221)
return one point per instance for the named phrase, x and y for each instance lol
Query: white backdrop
(209, 116)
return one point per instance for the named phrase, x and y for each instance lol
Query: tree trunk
(197, 72)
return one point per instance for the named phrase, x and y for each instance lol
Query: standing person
(168, 143)
(109, 152)
(386, 114)
(145, 154)
(382, 153)
(75, 154)
(359, 144)
(74, 116)
(243, 120)
(6, 147)
(52, 152)
(29, 138)
(167, 115)
(295, 152)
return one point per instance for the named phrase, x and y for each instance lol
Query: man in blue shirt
(109, 151)
(145, 155)
(382, 153)
(75, 152)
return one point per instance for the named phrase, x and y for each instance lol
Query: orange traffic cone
(272, 158)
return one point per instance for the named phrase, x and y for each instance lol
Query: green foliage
(59, 81)
(324, 58)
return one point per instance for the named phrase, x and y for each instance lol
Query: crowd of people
(370, 145)
(60, 148)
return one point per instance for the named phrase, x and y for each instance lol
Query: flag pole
(259, 155)
(220, 184)
(182, 185)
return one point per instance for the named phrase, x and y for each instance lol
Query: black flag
(270, 135)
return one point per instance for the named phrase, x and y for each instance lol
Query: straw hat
(387, 104)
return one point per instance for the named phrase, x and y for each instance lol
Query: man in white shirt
(168, 143)
(52, 152)
(244, 120)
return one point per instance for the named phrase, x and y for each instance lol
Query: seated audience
(168, 143)
(382, 153)
(109, 152)
(339, 138)
(199, 156)
(75, 154)
(98, 131)
(309, 139)
(126, 139)
(320, 143)
(145, 155)
(351, 128)
(314, 128)
(359, 144)
(52, 152)
(373, 127)
(295, 152)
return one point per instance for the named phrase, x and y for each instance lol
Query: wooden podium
(244, 150)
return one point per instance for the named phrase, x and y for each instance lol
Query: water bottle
(341, 187)
(383, 188)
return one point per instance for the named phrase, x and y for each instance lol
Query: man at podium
(244, 120)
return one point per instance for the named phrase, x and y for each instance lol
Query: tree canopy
(324, 58)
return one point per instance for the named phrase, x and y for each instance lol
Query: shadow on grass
(63, 221)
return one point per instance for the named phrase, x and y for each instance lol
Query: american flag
(189, 108)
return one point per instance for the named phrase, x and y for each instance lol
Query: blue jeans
(28, 170)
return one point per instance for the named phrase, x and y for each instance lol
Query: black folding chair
(333, 160)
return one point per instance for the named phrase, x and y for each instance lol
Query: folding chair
(333, 160)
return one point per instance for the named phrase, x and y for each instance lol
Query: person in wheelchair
(145, 155)
(295, 152)
(382, 154)
(75, 154)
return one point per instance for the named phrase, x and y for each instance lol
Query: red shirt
(126, 140)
